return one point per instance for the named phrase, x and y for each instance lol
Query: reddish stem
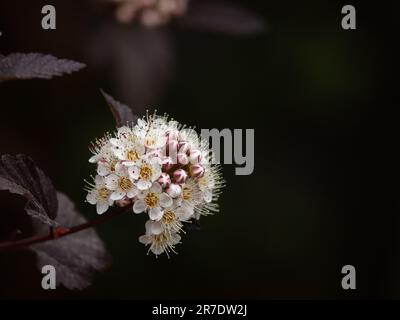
(60, 232)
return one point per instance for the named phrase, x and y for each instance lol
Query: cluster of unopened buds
(160, 168)
(150, 13)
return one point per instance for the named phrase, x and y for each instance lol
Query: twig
(59, 232)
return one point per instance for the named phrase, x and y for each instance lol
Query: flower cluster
(160, 168)
(150, 13)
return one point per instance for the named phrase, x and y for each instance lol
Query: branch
(59, 232)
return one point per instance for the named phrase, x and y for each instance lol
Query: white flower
(174, 190)
(210, 183)
(99, 195)
(191, 193)
(145, 172)
(159, 241)
(153, 138)
(107, 161)
(152, 132)
(173, 216)
(123, 134)
(153, 201)
(100, 148)
(120, 184)
(126, 147)
(150, 122)
(191, 196)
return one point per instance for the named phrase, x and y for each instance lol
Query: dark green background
(323, 193)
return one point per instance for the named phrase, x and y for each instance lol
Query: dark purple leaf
(223, 17)
(35, 65)
(122, 113)
(76, 257)
(20, 175)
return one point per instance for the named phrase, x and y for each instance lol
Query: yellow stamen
(146, 172)
(125, 184)
(151, 200)
(168, 217)
(104, 193)
(132, 155)
(150, 141)
(187, 193)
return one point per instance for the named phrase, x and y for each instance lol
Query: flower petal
(145, 239)
(117, 195)
(119, 153)
(99, 181)
(155, 213)
(175, 238)
(132, 192)
(139, 206)
(101, 207)
(143, 184)
(156, 187)
(155, 162)
(165, 200)
(140, 149)
(142, 194)
(133, 172)
(111, 182)
(103, 169)
(156, 173)
(147, 226)
(93, 159)
(141, 123)
(114, 141)
(92, 197)
(184, 213)
(155, 227)
(120, 169)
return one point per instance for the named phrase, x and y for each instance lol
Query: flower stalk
(59, 232)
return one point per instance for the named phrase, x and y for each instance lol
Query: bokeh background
(323, 193)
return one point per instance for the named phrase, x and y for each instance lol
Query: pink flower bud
(167, 164)
(183, 159)
(183, 147)
(172, 147)
(195, 156)
(180, 176)
(164, 180)
(172, 135)
(174, 190)
(123, 202)
(197, 171)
